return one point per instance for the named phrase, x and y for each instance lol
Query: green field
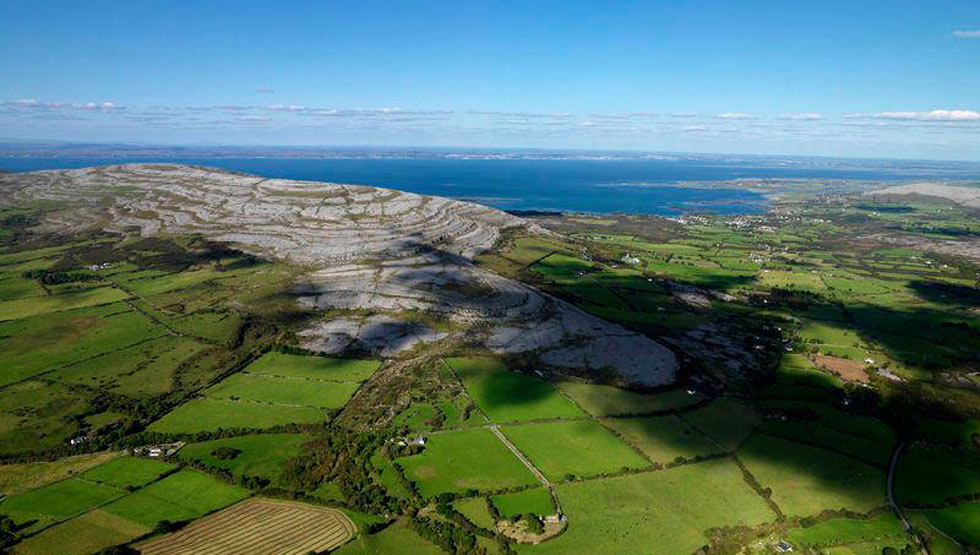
(507, 396)
(127, 472)
(35, 415)
(48, 341)
(148, 368)
(185, 495)
(806, 480)
(397, 538)
(929, 477)
(260, 455)
(34, 306)
(58, 501)
(841, 531)
(284, 391)
(961, 522)
(663, 438)
(86, 534)
(535, 501)
(868, 450)
(20, 477)
(581, 448)
(605, 400)
(475, 510)
(469, 459)
(654, 512)
(314, 367)
(211, 414)
(724, 420)
(963, 435)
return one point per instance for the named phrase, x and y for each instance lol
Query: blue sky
(854, 78)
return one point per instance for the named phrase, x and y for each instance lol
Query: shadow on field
(947, 293)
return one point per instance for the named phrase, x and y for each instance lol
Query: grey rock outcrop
(369, 249)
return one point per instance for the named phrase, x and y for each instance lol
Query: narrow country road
(534, 470)
(891, 488)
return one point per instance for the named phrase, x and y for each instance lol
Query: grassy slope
(655, 512)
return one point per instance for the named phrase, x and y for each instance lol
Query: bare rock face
(369, 249)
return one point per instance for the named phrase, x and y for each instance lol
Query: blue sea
(593, 186)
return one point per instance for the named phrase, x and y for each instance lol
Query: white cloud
(933, 115)
(265, 90)
(32, 103)
(805, 116)
(967, 33)
(736, 115)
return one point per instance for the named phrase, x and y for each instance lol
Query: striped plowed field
(258, 526)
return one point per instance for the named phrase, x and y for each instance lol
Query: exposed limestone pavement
(376, 253)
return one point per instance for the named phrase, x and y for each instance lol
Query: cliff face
(369, 249)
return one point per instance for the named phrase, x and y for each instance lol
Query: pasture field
(724, 420)
(468, 459)
(666, 511)
(127, 472)
(507, 396)
(963, 435)
(828, 416)
(147, 368)
(48, 341)
(796, 372)
(89, 533)
(14, 287)
(58, 501)
(867, 548)
(314, 367)
(475, 510)
(35, 306)
(871, 451)
(842, 531)
(535, 501)
(606, 400)
(217, 326)
(559, 266)
(186, 495)
(961, 522)
(663, 438)
(581, 448)
(387, 475)
(20, 477)
(806, 480)
(259, 527)
(150, 286)
(260, 455)
(397, 538)
(927, 477)
(284, 391)
(206, 414)
(35, 415)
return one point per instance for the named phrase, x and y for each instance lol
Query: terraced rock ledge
(373, 254)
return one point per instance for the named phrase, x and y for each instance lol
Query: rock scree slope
(371, 251)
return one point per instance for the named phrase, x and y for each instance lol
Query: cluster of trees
(342, 457)
(225, 453)
(48, 277)
(446, 535)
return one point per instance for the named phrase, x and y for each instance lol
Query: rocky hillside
(370, 251)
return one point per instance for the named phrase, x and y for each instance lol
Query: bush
(225, 453)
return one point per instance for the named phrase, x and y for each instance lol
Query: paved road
(891, 489)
